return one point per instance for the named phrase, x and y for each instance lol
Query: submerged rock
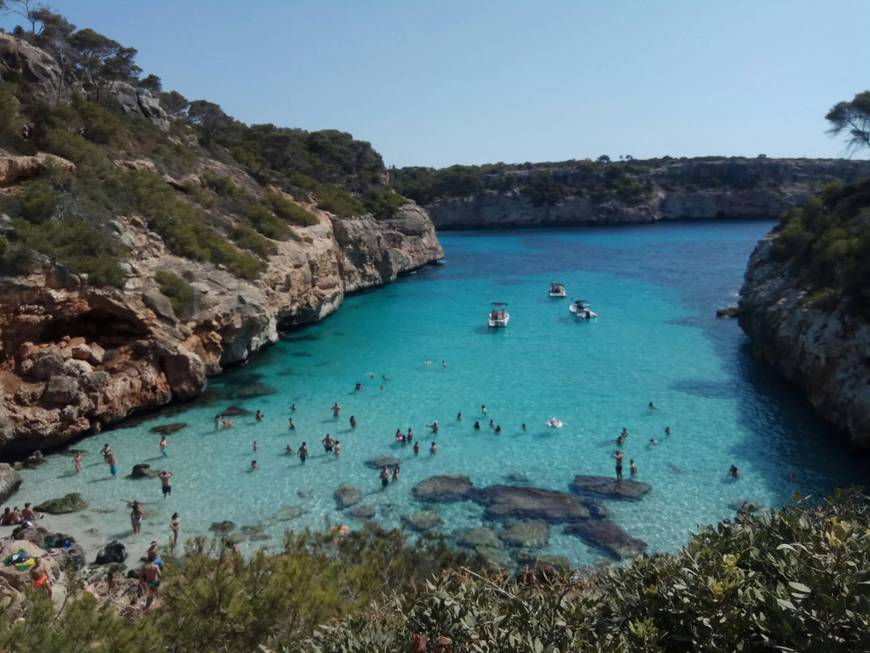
(141, 470)
(251, 391)
(169, 429)
(608, 537)
(10, 481)
(444, 488)
(478, 537)
(222, 527)
(235, 411)
(71, 502)
(347, 495)
(510, 502)
(113, 552)
(422, 520)
(362, 512)
(287, 513)
(534, 534)
(609, 488)
(378, 462)
(498, 557)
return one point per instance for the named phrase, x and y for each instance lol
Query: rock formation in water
(635, 191)
(804, 304)
(142, 250)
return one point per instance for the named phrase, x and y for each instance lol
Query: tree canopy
(852, 118)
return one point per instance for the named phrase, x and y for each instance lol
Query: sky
(440, 82)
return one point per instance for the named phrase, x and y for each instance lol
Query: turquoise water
(655, 287)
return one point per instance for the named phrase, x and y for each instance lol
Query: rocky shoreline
(76, 359)
(821, 348)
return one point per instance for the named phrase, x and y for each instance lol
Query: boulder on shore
(444, 489)
(71, 502)
(113, 552)
(510, 502)
(10, 481)
(347, 495)
(608, 537)
(609, 488)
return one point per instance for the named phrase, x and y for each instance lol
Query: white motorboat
(555, 423)
(498, 316)
(557, 290)
(581, 309)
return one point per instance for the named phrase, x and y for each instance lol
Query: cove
(655, 288)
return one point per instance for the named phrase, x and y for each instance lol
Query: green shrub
(178, 291)
(292, 213)
(38, 200)
(383, 204)
(247, 238)
(266, 222)
(223, 186)
(338, 201)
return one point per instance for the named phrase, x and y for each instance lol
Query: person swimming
(651, 406)
(733, 472)
(459, 416)
(483, 409)
(291, 425)
(289, 450)
(258, 416)
(477, 426)
(352, 422)
(302, 453)
(523, 426)
(434, 426)
(667, 430)
(653, 442)
(444, 364)
(498, 428)
(254, 467)
(433, 449)
(358, 387)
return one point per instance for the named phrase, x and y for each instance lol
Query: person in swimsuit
(395, 472)
(39, 575)
(254, 446)
(113, 464)
(289, 450)
(174, 529)
(136, 517)
(459, 416)
(434, 427)
(302, 453)
(164, 447)
(477, 426)
(151, 577)
(416, 448)
(337, 449)
(358, 387)
(291, 425)
(733, 472)
(523, 426)
(106, 451)
(166, 482)
(328, 443)
(667, 430)
(258, 416)
(433, 449)
(293, 407)
(633, 467)
(27, 514)
(385, 477)
(352, 422)
(483, 408)
(77, 461)
(651, 405)
(336, 410)
(151, 553)
(618, 456)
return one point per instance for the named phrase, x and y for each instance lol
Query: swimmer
(293, 407)
(410, 435)
(416, 448)
(77, 461)
(385, 477)
(434, 426)
(498, 428)
(398, 435)
(291, 425)
(258, 416)
(477, 426)
(618, 455)
(459, 416)
(444, 364)
(491, 424)
(651, 406)
(164, 447)
(381, 389)
(352, 422)
(395, 472)
(633, 467)
(433, 449)
(336, 410)
(733, 472)
(483, 408)
(371, 375)
(302, 453)
(653, 442)
(428, 362)
(254, 467)
(667, 430)
(328, 443)
(384, 376)
(337, 449)
(523, 426)
(358, 387)
(289, 450)
(624, 433)
(254, 446)
(166, 482)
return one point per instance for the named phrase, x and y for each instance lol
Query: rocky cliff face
(824, 350)
(76, 358)
(681, 189)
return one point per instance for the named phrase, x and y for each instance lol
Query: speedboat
(555, 423)
(581, 309)
(498, 316)
(557, 290)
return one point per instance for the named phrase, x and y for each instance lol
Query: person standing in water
(164, 447)
(253, 467)
(618, 456)
(483, 409)
(254, 446)
(651, 406)
(328, 443)
(336, 410)
(416, 448)
(633, 467)
(523, 427)
(733, 472)
(385, 477)
(352, 422)
(667, 430)
(395, 472)
(166, 482)
(477, 426)
(77, 461)
(136, 517)
(258, 417)
(293, 407)
(337, 449)
(113, 464)
(174, 529)
(302, 453)
(433, 449)
(291, 425)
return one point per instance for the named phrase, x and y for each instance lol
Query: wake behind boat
(581, 309)
(498, 316)
(557, 290)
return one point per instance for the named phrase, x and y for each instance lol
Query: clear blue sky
(472, 81)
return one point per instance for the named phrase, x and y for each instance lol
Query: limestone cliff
(577, 193)
(815, 335)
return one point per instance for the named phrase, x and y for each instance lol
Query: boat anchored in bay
(498, 315)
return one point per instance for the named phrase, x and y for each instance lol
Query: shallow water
(655, 287)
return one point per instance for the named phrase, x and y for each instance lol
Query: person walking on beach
(174, 529)
(166, 482)
(164, 447)
(302, 453)
(618, 455)
(77, 461)
(136, 517)
(385, 477)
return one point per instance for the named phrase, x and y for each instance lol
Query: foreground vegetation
(793, 580)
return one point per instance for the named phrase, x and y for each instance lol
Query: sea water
(655, 289)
